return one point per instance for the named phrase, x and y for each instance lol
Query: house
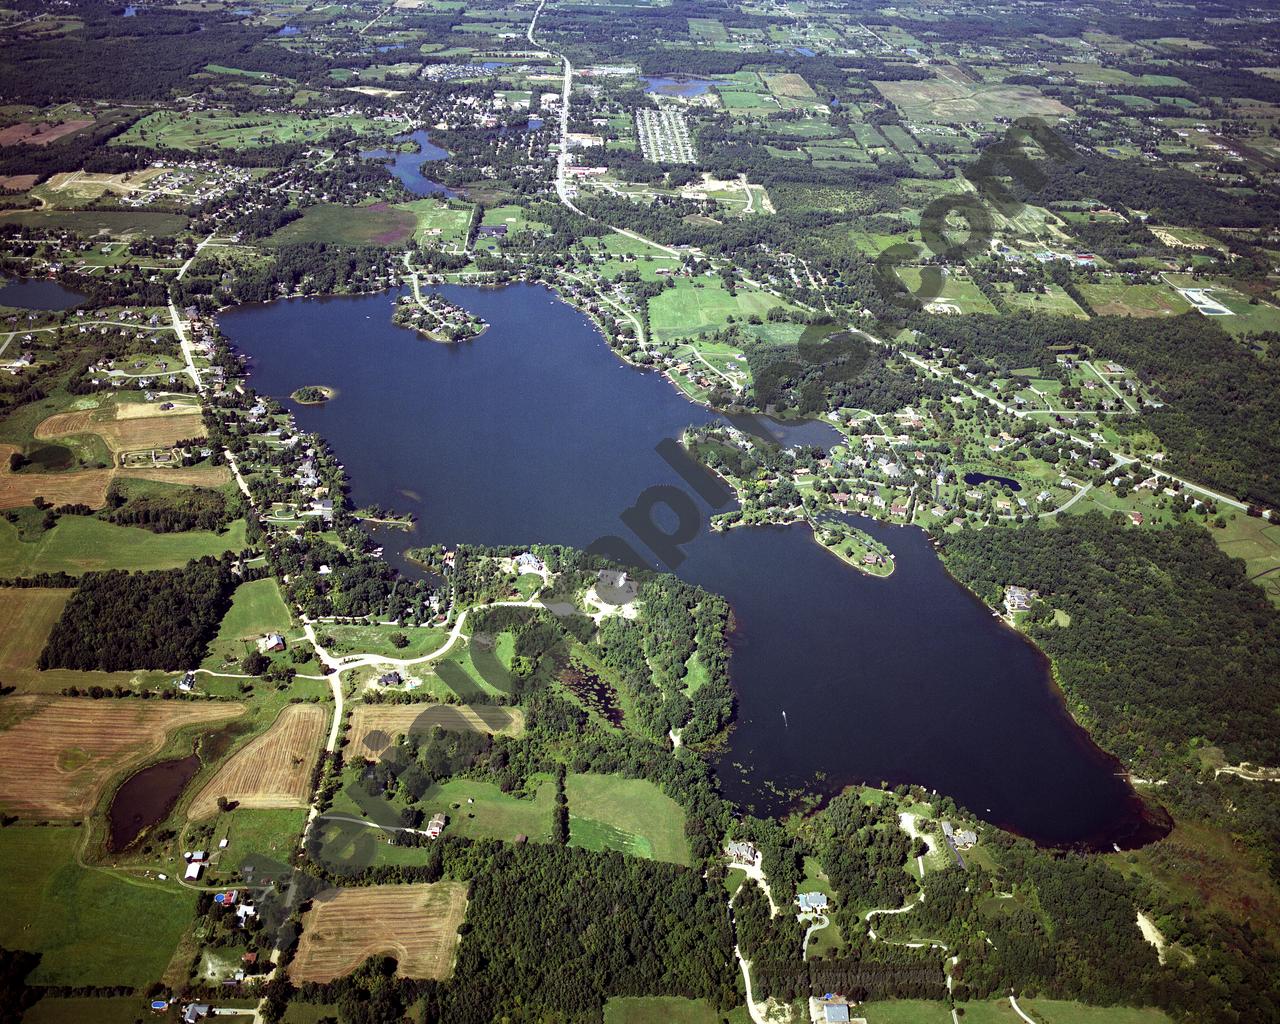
(617, 584)
(1017, 599)
(249, 958)
(529, 562)
(743, 853)
(835, 1012)
(195, 1012)
(390, 679)
(436, 825)
(965, 838)
(1136, 518)
(270, 643)
(812, 902)
(193, 870)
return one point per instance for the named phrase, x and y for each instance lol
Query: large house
(743, 853)
(812, 902)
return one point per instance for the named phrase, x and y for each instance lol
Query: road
(1018, 1010)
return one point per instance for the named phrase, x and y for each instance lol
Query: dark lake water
(973, 479)
(37, 293)
(408, 166)
(536, 432)
(146, 798)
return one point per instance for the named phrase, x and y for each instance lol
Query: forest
(1168, 645)
(118, 621)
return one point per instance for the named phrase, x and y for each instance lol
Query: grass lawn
(250, 831)
(377, 640)
(912, 1011)
(256, 608)
(658, 1010)
(92, 927)
(494, 814)
(695, 307)
(1054, 300)
(438, 223)
(81, 543)
(609, 812)
(1134, 299)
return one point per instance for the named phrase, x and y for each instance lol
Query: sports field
(90, 926)
(272, 770)
(633, 816)
(417, 924)
(373, 726)
(58, 754)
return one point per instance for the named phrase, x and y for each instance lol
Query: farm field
(272, 770)
(379, 224)
(84, 486)
(51, 1010)
(944, 100)
(57, 755)
(417, 924)
(73, 915)
(998, 1011)
(126, 426)
(392, 720)
(27, 616)
(78, 544)
(633, 816)
(225, 129)
(658, 1010)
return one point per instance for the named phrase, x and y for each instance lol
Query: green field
(377, 640)
(379, 224)
(92, 927)
(1134, 299)
(226, 129)
(256, 832)
(494, 814)
(116, 223)
(256, 608)
(609, 812)
(695, 307)
(1257, 541)
(658, 1010)
(120, 1010)
(81, 543)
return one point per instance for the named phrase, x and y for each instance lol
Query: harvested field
(789, 85)
(27, 616)
(373, 726)
(191, 476)
(19, 182)
(86, 486)
(124, 428)
(417, 924)
(29, 134)
(58, 754)
(272, 770)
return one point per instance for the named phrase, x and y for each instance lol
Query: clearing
(632, 816)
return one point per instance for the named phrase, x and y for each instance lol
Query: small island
(313, 394)
(437, 318)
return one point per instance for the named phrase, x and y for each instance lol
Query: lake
(37, 293)
(536, 432)
(408, 166)
(685, 86)
(973, 479)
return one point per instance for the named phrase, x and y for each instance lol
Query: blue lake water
(38, 293)
(536, 432)
(408, 166)
(676, 85)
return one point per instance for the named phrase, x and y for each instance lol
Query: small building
(436, 825)
(270, 643)
(812, 902)
(193, 871)
(835, 1013)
